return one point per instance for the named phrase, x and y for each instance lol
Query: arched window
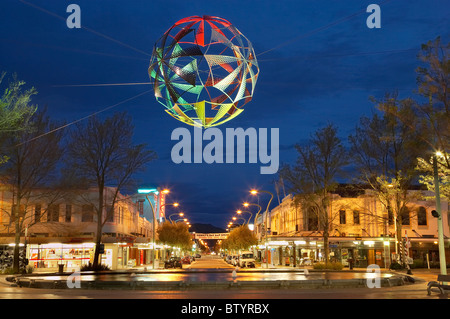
(405, 218)
(421, 216)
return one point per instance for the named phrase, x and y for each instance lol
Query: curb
(29, 282)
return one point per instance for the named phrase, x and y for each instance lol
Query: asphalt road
(208, 262)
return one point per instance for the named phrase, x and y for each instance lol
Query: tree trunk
(98, 238)
(16, 213)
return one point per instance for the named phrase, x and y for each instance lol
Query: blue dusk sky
(319, 64)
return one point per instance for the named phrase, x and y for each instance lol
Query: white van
(247, 259)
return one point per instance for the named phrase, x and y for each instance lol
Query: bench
(441, 284)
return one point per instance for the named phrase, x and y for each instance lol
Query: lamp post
(442, 260)
(245, 211)
(255, 192)
(259, 210)
(179, 214)
(156, 191)
(235, 218)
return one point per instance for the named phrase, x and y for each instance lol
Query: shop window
(342, 219)
(68, 218)
(87, 213)
(356, 220)
(53, 213)
(422, 216)
(404, 214)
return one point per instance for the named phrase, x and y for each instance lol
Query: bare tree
(31, 172)
(384, 151)
(102, 153)
(315, 174)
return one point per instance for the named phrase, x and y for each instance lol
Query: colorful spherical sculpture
(203, 71)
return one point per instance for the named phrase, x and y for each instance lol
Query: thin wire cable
(86, 117)
(304, 35)
(102, 84)
(54, 47)
(86, 28)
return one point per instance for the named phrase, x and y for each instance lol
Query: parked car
(235, 260)
(247, 259)
(198, 256)
(228, 259)
(186, 260)
(173, 262)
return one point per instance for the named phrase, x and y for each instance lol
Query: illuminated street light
(179, 214)
(245, 211)
(442, 260)
(255, 192)
(148, 191)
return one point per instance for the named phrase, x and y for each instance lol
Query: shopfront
(307, 251)
(53, 254)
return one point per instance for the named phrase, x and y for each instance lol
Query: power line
(86, 117)
(86, 28)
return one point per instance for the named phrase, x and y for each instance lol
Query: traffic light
(101, 249)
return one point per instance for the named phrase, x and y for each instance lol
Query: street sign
(211, 236)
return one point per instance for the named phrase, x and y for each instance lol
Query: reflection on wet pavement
(221, 276)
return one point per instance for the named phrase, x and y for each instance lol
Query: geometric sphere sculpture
(203, 71)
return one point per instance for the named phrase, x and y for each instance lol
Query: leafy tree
(102, 153)
(426, 168)
(175, 234)
(15, 109)
(240, 238)
(315, 174)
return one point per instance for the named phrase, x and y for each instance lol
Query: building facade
(60, 227)
(361, 230)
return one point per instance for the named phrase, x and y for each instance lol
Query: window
(87, 213)
(53, 213)
(37, 213)
(109, 214)
(68, 213)
(356, 220)
(140, 207)
(13, 213)
(312, 219)
(342, 220)
(422, 216)
(404, 215)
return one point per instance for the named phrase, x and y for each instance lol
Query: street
(208, 262)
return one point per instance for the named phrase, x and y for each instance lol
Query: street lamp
(236, 218)
(255, 192)
(148, 191)
(438, 213)
(179, 214)
(245, 211)
(259, 210)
